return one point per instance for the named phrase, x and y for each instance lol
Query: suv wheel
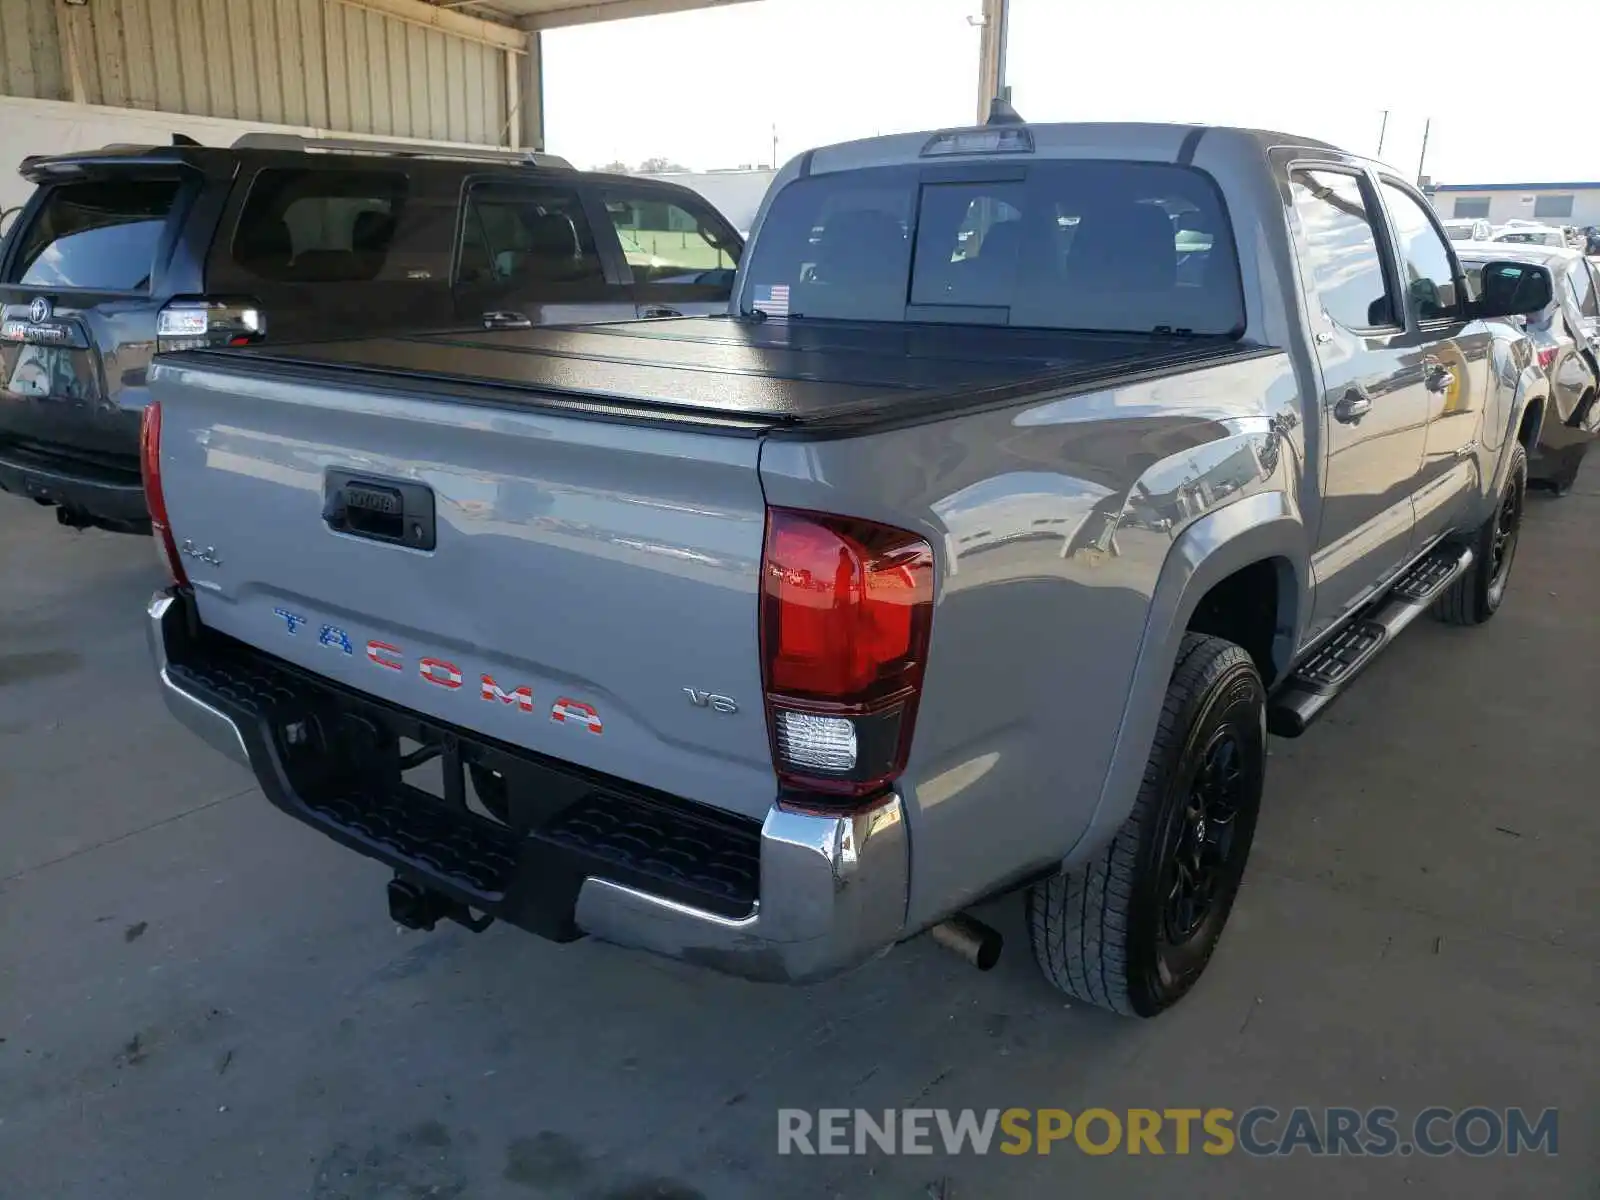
(1132, 929)
(1476, 596)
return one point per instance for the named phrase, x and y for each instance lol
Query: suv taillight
(846, 610)
(198, 324)
(1547, 356)
(154, 498)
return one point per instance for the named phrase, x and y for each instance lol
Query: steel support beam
(529, 115)
(992, 55)
(588, 12)
(414, 12)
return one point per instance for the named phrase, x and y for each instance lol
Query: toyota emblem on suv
(39, 310)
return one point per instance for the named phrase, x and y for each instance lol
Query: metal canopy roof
(551, 14)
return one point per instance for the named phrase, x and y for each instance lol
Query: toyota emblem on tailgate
(39, 310)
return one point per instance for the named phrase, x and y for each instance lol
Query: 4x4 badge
(39, 311)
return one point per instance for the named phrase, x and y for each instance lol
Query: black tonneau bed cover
(755, 375)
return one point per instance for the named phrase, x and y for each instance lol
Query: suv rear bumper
(108, 496)
(819, 894)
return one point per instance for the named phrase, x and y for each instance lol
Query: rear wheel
(1132, 929)
(1476, 596)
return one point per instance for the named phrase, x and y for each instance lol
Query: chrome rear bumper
(832, 888)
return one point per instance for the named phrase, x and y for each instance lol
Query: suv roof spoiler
(334, 145)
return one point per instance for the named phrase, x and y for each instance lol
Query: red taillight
(1547, 355)
(154, 498)
(846, 609)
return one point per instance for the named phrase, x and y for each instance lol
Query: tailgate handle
(380, 510)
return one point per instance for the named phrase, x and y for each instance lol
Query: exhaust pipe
(977, 943)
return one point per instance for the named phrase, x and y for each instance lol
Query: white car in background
(1531, 235)
(1468, 229)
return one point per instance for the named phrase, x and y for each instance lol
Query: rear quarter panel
(1053, 524)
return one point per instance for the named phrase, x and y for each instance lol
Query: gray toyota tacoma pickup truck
(1036, 474)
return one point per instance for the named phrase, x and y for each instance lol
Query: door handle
(659, 310)
(505, 319)
(1352, 406)
(1439, 379)
(396, 511)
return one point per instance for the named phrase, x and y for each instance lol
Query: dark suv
(126, 251)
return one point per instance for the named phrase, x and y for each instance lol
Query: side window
(300, 226)
(666, 243)
(1471, 206)
(1341, 248)
(1583, 289)
(526, 235)
(96, 235)
(1427, 276)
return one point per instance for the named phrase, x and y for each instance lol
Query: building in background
(1548, 203)
(76, 76)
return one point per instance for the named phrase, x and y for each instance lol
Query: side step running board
(1320, 680)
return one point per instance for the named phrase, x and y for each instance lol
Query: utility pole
(992, 55)
(1382, 129)
(1423, 157)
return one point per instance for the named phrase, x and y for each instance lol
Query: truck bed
(740, 374)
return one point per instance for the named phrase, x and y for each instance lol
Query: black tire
(1477, 595)
(1117, 931)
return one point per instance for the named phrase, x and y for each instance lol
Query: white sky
(705, 88)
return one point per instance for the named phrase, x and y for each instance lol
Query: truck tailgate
(590, 584)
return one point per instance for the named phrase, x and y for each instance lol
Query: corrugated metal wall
(30, 53)
(288, 62)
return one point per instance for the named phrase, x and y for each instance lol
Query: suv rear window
(1066, 245)
(331, 226)
(101, 234)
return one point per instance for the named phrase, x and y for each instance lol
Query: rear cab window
(98, 235)
(319, 225)
(1076, 244)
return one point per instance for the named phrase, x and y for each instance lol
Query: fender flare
(1264, 526)
(1532, 384)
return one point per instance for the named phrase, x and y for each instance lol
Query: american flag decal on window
(773, 300)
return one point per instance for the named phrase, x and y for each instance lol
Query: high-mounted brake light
(989, 140)
(154, 498)
(846, 610)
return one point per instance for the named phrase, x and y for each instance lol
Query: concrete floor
(198, 997)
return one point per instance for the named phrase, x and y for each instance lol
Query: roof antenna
(183, 139)
(1001, 113)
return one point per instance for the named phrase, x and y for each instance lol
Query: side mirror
(1514, 289)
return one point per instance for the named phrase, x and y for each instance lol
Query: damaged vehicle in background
(1566, 338)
